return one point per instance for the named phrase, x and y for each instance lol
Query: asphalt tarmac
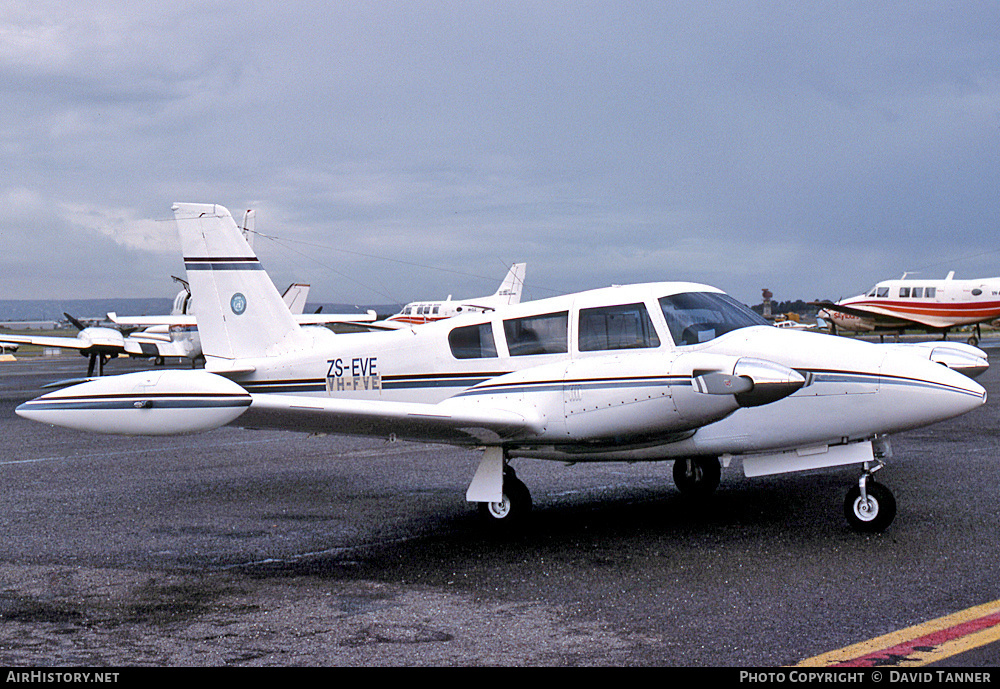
(250, 548)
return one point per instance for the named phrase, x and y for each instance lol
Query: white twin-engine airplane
(935, 305)
(659, 371)
(420, 312)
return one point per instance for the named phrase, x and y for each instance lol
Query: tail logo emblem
(238, 304)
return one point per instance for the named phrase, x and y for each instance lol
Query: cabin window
(616, 327)
(473, 342)
(930, 292)
(918, 292)
(546, 334)
(694, 317)
(883, 292)
(435, 310)
(904, 292)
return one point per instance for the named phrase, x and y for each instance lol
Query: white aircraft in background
(177, 335)
(792, 324)
(934, 305)
(98, 343)
(658, 371)
(163, 336)
(420, 312)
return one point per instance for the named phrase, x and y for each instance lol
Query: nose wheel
(869, 506)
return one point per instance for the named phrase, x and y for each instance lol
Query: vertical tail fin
(240, 313)
(510, 288)
(295, 296)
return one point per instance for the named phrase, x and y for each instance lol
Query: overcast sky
(411, 150)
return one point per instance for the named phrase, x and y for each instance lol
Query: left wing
(457, 423)
(172, 402)
(190, 320)
(91, 339)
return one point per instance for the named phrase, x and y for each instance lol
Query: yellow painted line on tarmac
(921, 644)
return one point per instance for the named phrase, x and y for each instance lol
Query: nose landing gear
(869, 506)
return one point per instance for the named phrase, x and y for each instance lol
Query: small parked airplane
(658, 371)
(934, 305)
(98, 343)
(420, 312)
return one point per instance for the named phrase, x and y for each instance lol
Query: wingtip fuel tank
(145, 403)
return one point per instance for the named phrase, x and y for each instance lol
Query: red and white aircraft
(935, 305)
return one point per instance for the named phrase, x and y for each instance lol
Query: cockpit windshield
(694, 317)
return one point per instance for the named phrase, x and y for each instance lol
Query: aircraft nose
(932, 391)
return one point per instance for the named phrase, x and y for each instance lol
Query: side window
(616, 327)
(918, 292)
(473, 342)
(930, 292)
(883, 292)
(904, 291)
(547, 334)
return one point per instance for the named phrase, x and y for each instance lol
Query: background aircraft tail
(295, 296)
(240, 313)
(510, 288)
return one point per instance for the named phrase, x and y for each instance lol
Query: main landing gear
(974, 339)
(697, 477)
(503, 499)
(515, 502)
(869, 506)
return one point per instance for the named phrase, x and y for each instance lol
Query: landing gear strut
(97, 359)
(697, 477)
(869, 506)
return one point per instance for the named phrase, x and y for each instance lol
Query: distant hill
(53, 309)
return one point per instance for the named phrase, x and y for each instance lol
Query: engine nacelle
(640, 397)
(957, 356)
(146, 403)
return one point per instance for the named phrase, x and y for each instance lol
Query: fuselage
(611, 373)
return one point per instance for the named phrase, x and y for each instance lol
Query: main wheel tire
(697, 477)
(514, 505)
(873, 516)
